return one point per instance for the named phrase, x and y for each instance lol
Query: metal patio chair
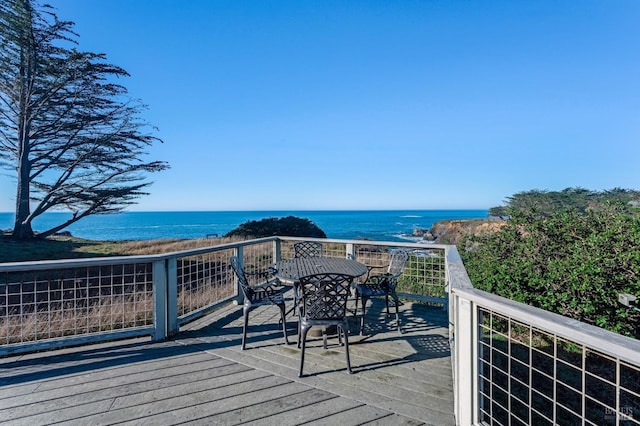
(270, 292)
(382, 285)
(324, 303)
(307, 249)
(304, 249)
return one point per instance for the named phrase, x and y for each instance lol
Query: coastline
(379, 225)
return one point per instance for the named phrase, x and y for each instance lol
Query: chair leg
(395, 300)
(324, 337)
(245, 311)
(364, 313)
(345, 330)
(386, 301)
(283, 315)
(295, 297)
(355, 310)
(303, 337)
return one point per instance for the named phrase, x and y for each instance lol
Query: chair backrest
(324, 296)
(396, 264)
(307, 249)
(242, 278)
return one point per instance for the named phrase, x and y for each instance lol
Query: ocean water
(380, 225)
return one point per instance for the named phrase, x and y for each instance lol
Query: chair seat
(369, 290)
(267, 297)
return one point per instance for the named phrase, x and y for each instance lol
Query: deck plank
(363, 415)
(241, 397)
(264, 410)
(132, 392)
(313, 411)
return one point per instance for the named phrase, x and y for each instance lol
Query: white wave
(413, 238)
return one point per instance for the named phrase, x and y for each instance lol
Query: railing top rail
(75, 263)
(458, 277)
(597, 338)
(218, 247)
(424, 246)
(117, 260)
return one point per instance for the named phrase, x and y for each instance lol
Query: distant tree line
(545, 203)
(569, 252)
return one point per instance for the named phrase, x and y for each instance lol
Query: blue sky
(303, 105)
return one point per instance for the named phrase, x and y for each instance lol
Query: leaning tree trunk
(22, 225)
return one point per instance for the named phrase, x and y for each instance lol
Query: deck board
(203, 377)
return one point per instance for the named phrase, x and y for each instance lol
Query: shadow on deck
(202, 377)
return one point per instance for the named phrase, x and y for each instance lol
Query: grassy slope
(74, 248)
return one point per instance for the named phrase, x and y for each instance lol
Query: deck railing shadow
(222, 332)
(413, 318)
(427, 347)
(76, 361)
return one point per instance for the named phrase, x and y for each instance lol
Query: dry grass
(132, 248)
(189, 301)
(58, 247)
(111, 313)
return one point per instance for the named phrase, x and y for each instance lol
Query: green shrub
(289, 226)
(568, 262)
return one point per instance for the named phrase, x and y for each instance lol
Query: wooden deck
(202, 376)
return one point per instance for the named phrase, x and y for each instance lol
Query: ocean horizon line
(268, 210)
(382, 225)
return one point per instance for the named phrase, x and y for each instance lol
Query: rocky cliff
(452, 231)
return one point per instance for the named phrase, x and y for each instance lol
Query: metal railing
(514, 364)
(52, 304)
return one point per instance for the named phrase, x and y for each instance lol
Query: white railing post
(350, 251)
(465, 362)
(277, 250)
(172, 296)
(159, 300)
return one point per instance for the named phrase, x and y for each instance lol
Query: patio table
(293, 269)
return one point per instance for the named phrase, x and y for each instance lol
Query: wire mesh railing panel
(334, 250)
(373, 255)
(203, 280)
(424, 274)
(286, 249)
(329, 249)
(257, 258)
(532, 376)
(46, 304)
